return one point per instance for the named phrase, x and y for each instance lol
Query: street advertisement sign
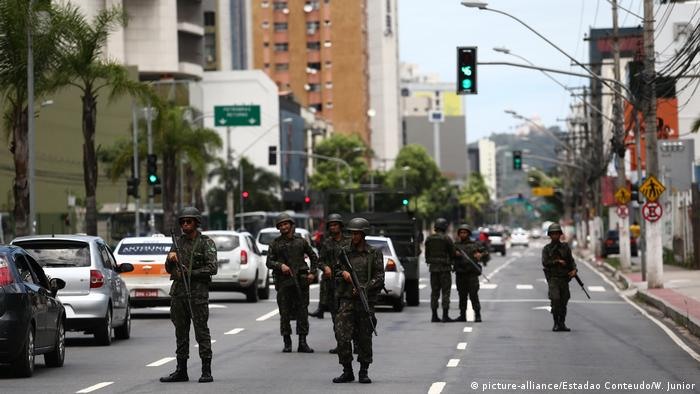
(652, 211)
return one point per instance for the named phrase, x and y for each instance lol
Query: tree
(262, 185)
(475, 197)
(45, 23)
(85, 68)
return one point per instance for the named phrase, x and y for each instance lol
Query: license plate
(146, 293)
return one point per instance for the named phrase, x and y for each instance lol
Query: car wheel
(103, 332)
(264, 293)
(124, 331)
(24, 363)
(399, 303)
(56, 357)
(251, 293)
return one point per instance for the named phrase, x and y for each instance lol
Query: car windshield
(612, 234)
(144, 249)
(225, 243)
(383, 246)
(495, 234)
(58, 253)
(266, 238)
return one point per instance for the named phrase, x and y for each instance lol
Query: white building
(487, 165)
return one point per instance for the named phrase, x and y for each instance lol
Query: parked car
(149, 282)
(536, 233)
(497, 242)
(32, 319)
(95, 296)
(394, 277)
(266, 235)
(520, 237)
(611, 245)
(241, 265)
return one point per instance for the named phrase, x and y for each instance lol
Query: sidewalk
(679, 299)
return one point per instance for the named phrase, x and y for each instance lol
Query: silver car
(394, 277)
(95, 297)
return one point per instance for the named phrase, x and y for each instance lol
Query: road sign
(237, 115)
(652, 211)
(436, 117)
(652, 188)
(622, 211)
(622, 196)
(543, 191)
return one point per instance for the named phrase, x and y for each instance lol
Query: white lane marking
(470, 311)
(422, 280)
(467, 329)
(547, 308)
(488, 286)
(542, 280)
(234, 331)
(436, 388)
(95, 387)
(494, 272)
(524, 287)
(217, 306)
(453, 363)
(454, 287)
(213, 341)
(461, 346)
(646, 314)
(598, 289)
(161, 362)
(421, 287)
(517, 254)
(268, 315)
(314, 286)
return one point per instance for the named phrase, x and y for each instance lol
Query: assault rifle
(359, 290)
(295, 279)
(181, 268)
(580, 283)
(472, 262)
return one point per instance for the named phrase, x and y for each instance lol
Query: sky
(430, 30)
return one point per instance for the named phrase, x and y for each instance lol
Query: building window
(311, 5)
(265, 24)
(209, 18)
(313, 68)
(312, 27)
(280, 5)
(281, 66)
(281, 26)
(282, 47)
(313, 87)
(209, 51)
(313, 46)
(327, 44)
(265, 4)
(316, 107)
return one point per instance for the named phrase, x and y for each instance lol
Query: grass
(613, 261)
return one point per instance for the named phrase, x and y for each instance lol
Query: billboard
(666, 127)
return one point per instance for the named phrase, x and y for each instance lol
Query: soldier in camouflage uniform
(559, 268)
(351, 321)
(328, 255)
(286, 255)
(439, 253)
(466, 274)
(197, 257)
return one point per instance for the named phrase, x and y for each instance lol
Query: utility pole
(622, 222)
(31, 156)
(652, 236)
(229, 192)
(151, 188)
(137, 200)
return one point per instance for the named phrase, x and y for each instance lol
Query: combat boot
(206, 371)
(363, 377)
(287, 344)
(556, 323)
(462, 315)
(445, 317)
(346, 376)
(562, 325)
(435, 318)
(180, 374)
(334, 350)
(477, 316)
(318, 313)
(303, 346)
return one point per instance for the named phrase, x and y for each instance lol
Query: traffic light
(272, 155)
(245, 195)
(404, 202)
(307, 200)
(152, 170)
(132, 187)
(517, 160)
(634, 195)
(466, 70)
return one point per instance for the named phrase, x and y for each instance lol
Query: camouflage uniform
(291, 252)
(439, 252)
(198, 256)
(351, 322)
(328, 255)
(467, 276)
(558, 278)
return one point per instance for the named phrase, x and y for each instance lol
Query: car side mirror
(125, 267)
(55, 285)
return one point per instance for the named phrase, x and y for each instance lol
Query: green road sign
(237, 115)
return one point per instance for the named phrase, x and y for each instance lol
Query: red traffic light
(245, 194)
(307, 200)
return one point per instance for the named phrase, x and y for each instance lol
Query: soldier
(195, 266)
(439, 252)
(467, 274)
(292, 278)
(559, 268)
(351, 321)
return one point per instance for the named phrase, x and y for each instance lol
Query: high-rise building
(312, 49)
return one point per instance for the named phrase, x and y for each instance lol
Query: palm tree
(44, 22)
(475, 197)
(85, 68)
(262, 185)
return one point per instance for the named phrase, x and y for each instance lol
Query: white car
(520, 237)
(266, 235)
(241, 265)
(394, 277)
(149, 282)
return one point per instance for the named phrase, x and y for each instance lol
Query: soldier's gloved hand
(347, 277)
(172, 256)
(573, 273)
(310, 278)
(285, 269)
(327, 272)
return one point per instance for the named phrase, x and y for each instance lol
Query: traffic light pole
(241, 187)
(229, 192)
(137, 201)
(151, 191)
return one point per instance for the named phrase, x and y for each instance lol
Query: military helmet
(283, 217)
(334, 218)
(465, 227)
(358, 224)
(190, 212)
(554, 228)
(440, 224)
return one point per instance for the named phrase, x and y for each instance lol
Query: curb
(671, 311)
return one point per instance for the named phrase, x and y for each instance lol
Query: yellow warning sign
(622, 196)
(651, 188)
(543, 191)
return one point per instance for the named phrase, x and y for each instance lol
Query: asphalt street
(613, 347)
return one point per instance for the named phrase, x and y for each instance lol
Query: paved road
(611, 343)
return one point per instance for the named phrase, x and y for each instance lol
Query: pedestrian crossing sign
(651, 188)
(622, 196)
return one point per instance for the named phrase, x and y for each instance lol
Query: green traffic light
(153, 178)
(466, 83)
(404, 201)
